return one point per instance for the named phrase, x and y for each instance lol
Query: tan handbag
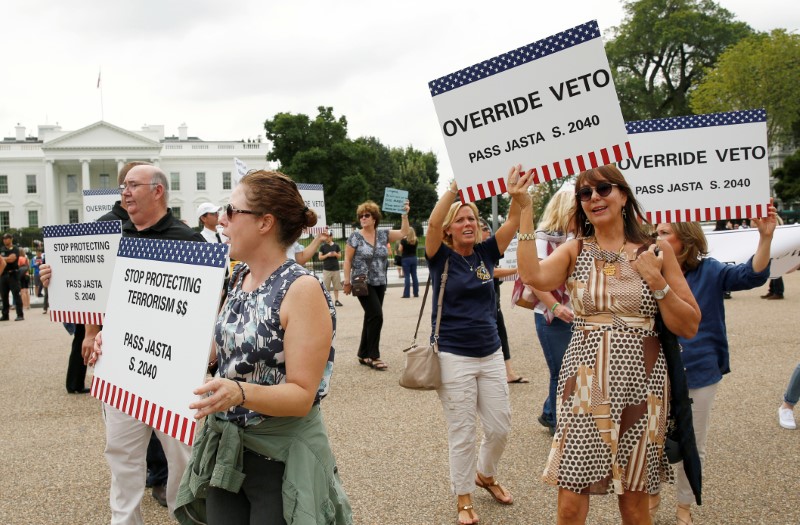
(422, 370)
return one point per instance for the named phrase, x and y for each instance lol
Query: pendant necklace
(471, 268)
(481, 271)
(609, 267)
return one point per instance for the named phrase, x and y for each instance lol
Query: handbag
(422, 370)
(359, 285)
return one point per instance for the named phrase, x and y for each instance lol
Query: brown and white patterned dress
(613, 387)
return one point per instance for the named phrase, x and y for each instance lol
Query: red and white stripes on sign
(168, 422)
(62, 316)
(316, 229)
(554, 171)
(708, 214)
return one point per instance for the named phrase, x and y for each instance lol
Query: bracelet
(453, 192)
(241, 389)
(553, 308)
(526, 237)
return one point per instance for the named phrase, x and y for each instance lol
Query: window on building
(31, 180)
(176, 212)
(3, 184)
(226, 180)
(73, 216)
(175, 181)
(105, 180)
(5, 220)
(72, 184)
(201, 180)
(33, 218)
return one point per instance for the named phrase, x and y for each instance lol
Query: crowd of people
(611, 293)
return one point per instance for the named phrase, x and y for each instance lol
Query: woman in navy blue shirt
(473, 371)
(705, 355)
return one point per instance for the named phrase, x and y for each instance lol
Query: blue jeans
(554, 339)
(410, 273)
(792, 395)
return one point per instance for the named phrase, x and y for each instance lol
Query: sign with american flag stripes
(700, 167)
(550, 106)
(158, 330)
(82, 260)
(314, 197)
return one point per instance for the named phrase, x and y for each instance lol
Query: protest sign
(82, 260)
(314, 198)
(550, 105)
(239, 171)
(509, 259)
(158, 330)
(700, 167)
(97, 203)
(394, 200)
(737, 246)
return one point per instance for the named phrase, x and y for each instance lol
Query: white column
(85, 179)
(52, 215)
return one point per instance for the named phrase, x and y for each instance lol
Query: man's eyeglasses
(603, 189)
(365, 216)
(230, 210)
(133, 185)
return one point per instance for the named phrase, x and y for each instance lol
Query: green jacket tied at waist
(312, 490)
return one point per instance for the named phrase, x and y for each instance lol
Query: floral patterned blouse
(249, 335)
(377, 270)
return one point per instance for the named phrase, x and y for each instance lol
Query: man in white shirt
(208, 215)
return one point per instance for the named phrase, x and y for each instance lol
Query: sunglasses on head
(365, 216)
(603, 189)
(230, 210)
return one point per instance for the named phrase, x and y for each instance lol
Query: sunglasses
(230, 210)
(365, 216)
(603, 189)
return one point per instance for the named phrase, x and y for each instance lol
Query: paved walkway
(391, 444)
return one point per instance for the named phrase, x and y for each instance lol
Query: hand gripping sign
(158, 330)
(97, 203)
(550, 105)
(314, 197)
(82, 260)
(700, 167)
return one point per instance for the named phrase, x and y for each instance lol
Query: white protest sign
(314, 198)
(700, 167)
(737, 246)
(97, 203)
(509, 259)
(394, 200)
(239, 171)
(550, 105)
(82, 260)
(158, 330)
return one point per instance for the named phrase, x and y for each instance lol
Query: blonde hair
(412, 236)
(695, 245)
(451, 216)
(558, 213)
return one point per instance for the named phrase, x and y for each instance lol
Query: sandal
(684, 511)
(377, 364)
(468, 510)
(366, 361)
(479, 481)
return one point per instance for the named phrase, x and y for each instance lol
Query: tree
(788, 186)
(761, 71)
(661, 50)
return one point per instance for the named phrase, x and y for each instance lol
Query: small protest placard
(550, 105)
(239, 171)
(737, 246)
(82, 260)
(97, 203)
(314, 198)
(394, 200)
(700, 167)
(158, 330)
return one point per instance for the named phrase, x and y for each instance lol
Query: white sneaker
(786, 418)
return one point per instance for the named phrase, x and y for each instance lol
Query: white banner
(239, 171)
(509, 259)
(97, 203)
(737, 246)
(158, 330)
(82, 260)
(314, 197)
(550, 105)
(701, 167)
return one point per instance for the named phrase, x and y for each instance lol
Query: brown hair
(451, 216)
(272, 192)
(633, 219)
(127, 167)
(371, 208)
(694, 243)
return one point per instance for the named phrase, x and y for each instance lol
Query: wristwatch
(660, 294)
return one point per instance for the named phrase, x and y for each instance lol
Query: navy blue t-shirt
(469, 312)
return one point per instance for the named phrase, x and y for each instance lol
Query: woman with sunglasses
(273, 343)
(474, 383)
(613, 388)
(367, 253)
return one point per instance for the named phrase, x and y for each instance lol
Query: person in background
(706, 357)
(9, 280)
(367, 253)
(398, 259)
(790, 399)
(329, 254)
(208, 217)
(408, 258)
(776, 289)
(24, 279)
(37, 261)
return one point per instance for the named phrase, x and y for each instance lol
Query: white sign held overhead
(700, 167)
(97, 203)
(158, 330)
(550, 106)
(239, 171)
(737, 246)
(314, 197)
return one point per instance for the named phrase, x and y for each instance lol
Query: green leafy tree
(761, 71)
(661, 50)
(787, 188)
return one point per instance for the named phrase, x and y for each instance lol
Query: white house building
(42, 177)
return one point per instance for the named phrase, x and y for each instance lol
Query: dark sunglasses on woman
(230, 210)
(603, 189)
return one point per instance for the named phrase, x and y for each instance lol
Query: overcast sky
(223, 68)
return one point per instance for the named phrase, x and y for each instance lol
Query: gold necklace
(610, 267)
(471, 268)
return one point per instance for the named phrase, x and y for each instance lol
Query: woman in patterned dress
(613, 389)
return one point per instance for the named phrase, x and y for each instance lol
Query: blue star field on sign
(184, 252)
(107, 191)
(697, 121)
(84, 228)
(516, 57)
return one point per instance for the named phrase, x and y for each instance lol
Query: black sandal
(377, 364)
(366, 361)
